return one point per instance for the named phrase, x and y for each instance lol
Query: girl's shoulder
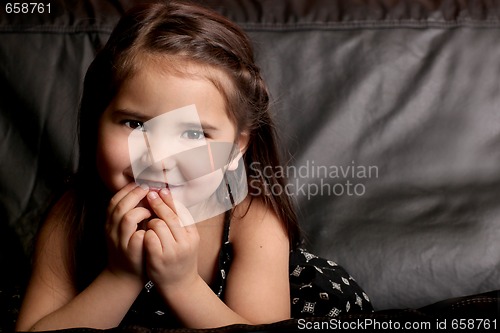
(255, 222)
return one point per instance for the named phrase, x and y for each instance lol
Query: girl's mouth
(152, 184)
(155, 185)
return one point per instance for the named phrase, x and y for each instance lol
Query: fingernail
(164, 191)
(145, 187)
(152, 195)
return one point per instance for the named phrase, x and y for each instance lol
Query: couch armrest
(480, 306)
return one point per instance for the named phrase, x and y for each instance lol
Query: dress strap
(227, 225)
(225, 257)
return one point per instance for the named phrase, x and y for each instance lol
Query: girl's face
(148, 94)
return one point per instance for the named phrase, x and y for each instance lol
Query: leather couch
(388, 111)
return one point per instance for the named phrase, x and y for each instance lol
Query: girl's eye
(193, 135)
(134, 124)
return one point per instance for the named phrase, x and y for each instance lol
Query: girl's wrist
(170, 290)
(127, 280)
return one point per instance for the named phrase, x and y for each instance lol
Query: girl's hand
(125, 242)
(171, 249)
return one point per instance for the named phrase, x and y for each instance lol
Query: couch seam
(473, 301)
(297, 26)
(53, 29)
(374, 24)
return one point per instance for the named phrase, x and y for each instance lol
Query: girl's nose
(162, 165)
(168, 163)
(146, 157)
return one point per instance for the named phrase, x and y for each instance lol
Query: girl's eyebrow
(131, 114)
(204, 125)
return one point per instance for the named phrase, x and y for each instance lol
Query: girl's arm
(102, 305)
(257, 287)
(51, 300)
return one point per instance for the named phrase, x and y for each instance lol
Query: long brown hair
(196, 34)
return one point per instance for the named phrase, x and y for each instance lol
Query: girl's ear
(234, 162)
(243, 141)
(242, 145)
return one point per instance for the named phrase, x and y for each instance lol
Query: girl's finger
(119, 196)
(121, 231)
(136, 242)
(163, 206)
(183, 215)
(152, 244)
(167, 198)
(166, 213)
(118, 210)
(128, 225)
(127, 202)
(160, 228)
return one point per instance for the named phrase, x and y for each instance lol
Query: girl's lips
(155, 185)
(152, 184)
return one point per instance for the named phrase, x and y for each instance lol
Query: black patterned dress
(321, 288)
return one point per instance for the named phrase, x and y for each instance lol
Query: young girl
(111, 252)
